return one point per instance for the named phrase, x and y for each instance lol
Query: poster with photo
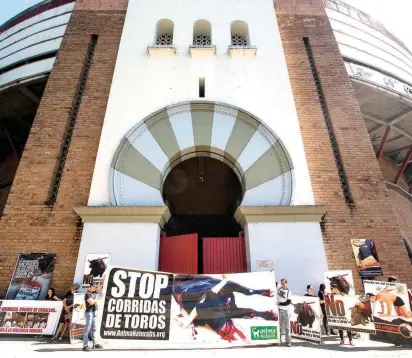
(95, 267)
(206, 310)
(366, 257)
(306, 318)
(342, 280)
(29, 317)
(350, 313)
(78, 322)
(31, 277)
(391, 311)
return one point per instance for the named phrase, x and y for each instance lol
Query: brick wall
(373, 215)
(401, 201)
(28, 225)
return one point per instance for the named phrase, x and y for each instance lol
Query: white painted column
(296, 250)
(134, 245)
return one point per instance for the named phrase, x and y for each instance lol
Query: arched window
(164, 32)
(202, 33)
(240, 34)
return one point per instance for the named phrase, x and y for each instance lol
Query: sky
(394, 14)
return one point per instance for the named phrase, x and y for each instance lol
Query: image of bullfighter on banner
(211, 303)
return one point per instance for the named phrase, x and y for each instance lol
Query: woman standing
(65, 318)
(51, 295)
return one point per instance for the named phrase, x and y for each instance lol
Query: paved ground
(18, 347)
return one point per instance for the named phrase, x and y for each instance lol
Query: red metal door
(224, 255)
(178, 254)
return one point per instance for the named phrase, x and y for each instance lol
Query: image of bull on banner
(31, 277)
(95, 267)
(342, 280)
(306, 319)
(350, 313)
(391, 311)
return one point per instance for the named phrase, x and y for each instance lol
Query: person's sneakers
(97, 346)
(289, 344)
(351, 343)
(53, 339)
(342, 342)
(86, 349)
(60, 338)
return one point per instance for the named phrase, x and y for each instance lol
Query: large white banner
(306, 318)
(29, 317)
(179, 310)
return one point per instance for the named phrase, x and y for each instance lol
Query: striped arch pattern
(171, 135)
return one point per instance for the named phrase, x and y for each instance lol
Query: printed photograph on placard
(95, 267)
(341, 281)
(29, 317)
(391, 310)
(229, 309)
(350, 313)
(306, 318)
(78, 321)
(31, 277)
(366, 257)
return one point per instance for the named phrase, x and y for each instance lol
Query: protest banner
(343, 279)
(366, 257)
(29, 317)
(350, 313)
(31, 277)
(213, 310)
(306, 318)
(95, 267)
(78, 321)
(391, 311)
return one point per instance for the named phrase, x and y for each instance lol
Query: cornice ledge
(298, 213)
(399, 189)
(123, 214)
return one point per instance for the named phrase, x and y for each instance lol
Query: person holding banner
(90, 315)
(335, 290)
(285, 305)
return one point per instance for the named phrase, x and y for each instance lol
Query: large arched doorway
(202, 195)
(202, 160)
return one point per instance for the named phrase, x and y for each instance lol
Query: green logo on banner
(262, 333)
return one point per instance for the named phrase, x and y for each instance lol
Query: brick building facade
(344, 173)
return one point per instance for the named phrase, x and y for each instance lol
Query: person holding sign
(90, 315)
(335, 290)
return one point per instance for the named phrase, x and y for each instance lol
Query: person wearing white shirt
(285, 305)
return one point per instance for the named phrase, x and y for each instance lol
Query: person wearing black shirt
(90, 315)
(321, 296)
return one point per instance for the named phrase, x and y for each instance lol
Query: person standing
(91, 315)
(309, 291)
(284, 303)
(335, 290)
(321, 295)
(65, 318)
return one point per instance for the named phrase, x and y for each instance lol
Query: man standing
(90, 315)
(284, 303)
